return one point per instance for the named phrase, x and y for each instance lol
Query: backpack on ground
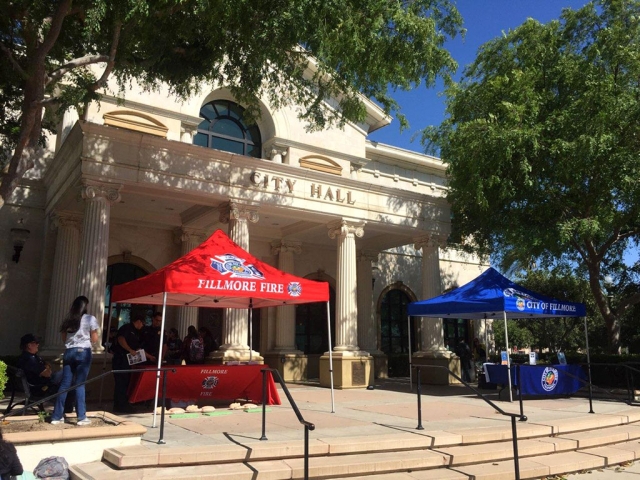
(52, 468)
(196, 350)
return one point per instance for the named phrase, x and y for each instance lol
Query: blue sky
(484, 20)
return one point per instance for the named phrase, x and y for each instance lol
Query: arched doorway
(121, 313)
(311, 326)
(394, 335)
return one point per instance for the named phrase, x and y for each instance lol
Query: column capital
(65, 219)
(184, 234)
(95, 190)
(367, 255)
(429, 240)
(345, 227)
(285, 246)
(238, 211)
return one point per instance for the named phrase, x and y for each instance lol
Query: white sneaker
(57, 422)
(84, 422)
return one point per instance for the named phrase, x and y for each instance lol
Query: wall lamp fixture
(19, 237)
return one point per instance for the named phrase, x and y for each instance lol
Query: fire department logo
(235, 266)
(210, 382)
(549, 379)
(294, 289)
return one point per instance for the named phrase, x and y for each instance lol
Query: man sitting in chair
(41, 378)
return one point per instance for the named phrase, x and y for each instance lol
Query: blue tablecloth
(539, 379)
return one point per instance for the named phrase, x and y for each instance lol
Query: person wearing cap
(38, 372)
(128, 341)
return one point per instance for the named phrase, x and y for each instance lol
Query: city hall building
(136, 184)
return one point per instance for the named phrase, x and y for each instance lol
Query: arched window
(222, 128)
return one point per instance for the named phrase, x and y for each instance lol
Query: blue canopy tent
(492, 295)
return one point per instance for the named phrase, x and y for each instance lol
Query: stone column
(432, 350)
(189, 239)
(63, 279)
(286, 315)
(432, 334)
(346, 297)
(92, 269)
(235, 331)
(352, 367)
(367, 328)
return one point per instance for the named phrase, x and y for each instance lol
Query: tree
(560, 333)
(542, 142)
(61, 53)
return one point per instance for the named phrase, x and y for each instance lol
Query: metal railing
(514, 432)
(307, 425)
(98, 377)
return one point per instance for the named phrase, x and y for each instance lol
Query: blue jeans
(76, 363)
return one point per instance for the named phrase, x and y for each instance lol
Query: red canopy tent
(220, 274)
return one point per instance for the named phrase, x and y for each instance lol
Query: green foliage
(541, 140)
(321, 56)
(3, 378)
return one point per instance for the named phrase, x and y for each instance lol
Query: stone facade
(129, 186)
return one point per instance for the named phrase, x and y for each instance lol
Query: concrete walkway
(390, 408)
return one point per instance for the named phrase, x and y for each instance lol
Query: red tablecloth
(223, 382)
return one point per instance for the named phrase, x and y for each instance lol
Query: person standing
(174, 345)
(128, 341)
(79, 330)
(193, 347)
(151, 340)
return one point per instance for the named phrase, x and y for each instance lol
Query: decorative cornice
(95, 190)
(184, 234)
(346, 227)
(368, 256)
(237, 211)
(285, 246)
(64, 219)
(429, 240)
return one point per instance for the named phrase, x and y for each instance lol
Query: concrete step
(402, 467)
(410, 454)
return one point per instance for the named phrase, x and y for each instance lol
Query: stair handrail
(514, 432)
(628, 368)
(164, 371)
(307, 425)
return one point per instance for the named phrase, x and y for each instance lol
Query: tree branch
(615, 237)
(115, 40)
(78, 62)
(625, 303)
(13, 61)
(54, 31)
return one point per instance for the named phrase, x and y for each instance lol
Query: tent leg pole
(586, 339)
(330, 355)
(155, 401)
(250, 332)
(506, 337)
(410, 365)
(104, 362)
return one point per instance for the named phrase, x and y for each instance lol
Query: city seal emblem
(549, 379)
(294, 289)
(209, 382)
